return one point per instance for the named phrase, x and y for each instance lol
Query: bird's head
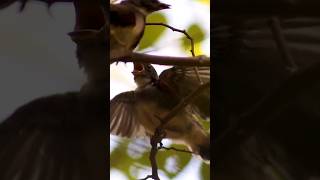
(144, 74)
(147, 6)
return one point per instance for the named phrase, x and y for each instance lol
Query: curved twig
(188, 37)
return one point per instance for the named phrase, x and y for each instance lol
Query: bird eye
(139, 67)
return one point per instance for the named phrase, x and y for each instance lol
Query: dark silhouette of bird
(63, 136)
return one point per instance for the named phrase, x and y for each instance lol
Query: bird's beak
(138, 69)
(164, 6)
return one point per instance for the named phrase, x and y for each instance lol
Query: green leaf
(152, 33)
(205, 171)
(119, 159)
(197, 35)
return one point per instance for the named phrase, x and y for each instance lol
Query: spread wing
(183, 81)
(46, 140)
(124, 116)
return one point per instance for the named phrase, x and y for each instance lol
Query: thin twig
(173, 148)
(149, 176)
(188, 37)
(176, 30)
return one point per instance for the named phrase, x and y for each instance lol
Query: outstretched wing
(49, 139)
(124, 116)
(181, 81)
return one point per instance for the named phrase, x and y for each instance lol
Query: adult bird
(127, 24)
(135, 113)
(63, 136)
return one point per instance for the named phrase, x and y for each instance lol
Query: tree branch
(173, 148)
(176, 30)
(163, 60)
(188, 37)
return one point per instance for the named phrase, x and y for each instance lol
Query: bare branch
(188, 37)
(173, 148)
(149, 176)
(176, 30)
(154, 140)
(164, 60)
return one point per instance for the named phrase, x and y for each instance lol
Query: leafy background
(129, 159)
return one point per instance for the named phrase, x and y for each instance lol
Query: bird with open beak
(127, 24)
(135, 113)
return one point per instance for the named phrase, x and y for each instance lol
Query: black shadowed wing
(61, 137)
(52, 138)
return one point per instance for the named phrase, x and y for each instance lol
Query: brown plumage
(127, 24)
(134, 113)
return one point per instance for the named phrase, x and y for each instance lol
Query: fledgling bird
(127, 24)
(134, 113)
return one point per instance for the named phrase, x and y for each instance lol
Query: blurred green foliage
(152, 33)
(197, 34)
(130, 157)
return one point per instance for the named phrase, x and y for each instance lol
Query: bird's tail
(199, 142)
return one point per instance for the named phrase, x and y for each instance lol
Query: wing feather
(181, 81)
(49, 139)
(124, 120)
